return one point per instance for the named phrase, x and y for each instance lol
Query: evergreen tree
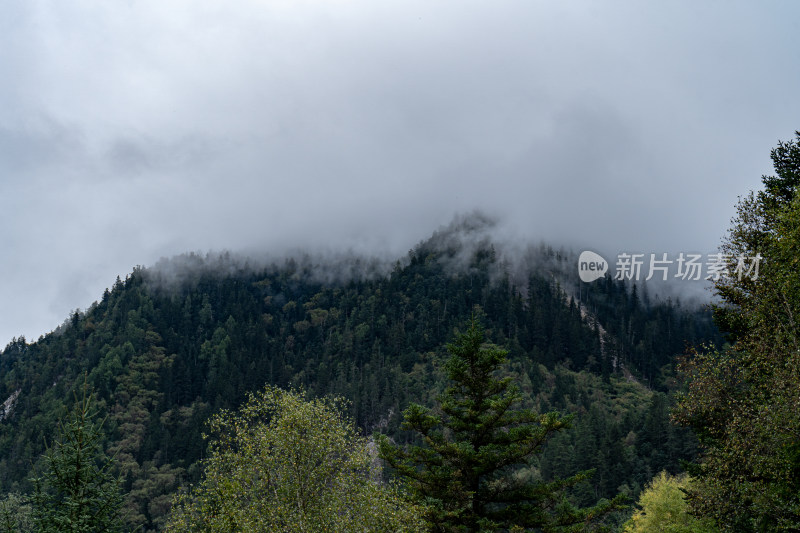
(473, 470)
(78, 492)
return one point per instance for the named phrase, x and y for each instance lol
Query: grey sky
(140, 129)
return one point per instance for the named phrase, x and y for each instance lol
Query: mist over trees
(164, 355)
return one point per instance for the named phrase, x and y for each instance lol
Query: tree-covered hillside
(164, 352)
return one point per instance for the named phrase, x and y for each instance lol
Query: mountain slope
(164, 352)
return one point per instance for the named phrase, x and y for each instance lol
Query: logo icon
(591, 266)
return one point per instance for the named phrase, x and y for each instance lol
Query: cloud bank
(131, 131)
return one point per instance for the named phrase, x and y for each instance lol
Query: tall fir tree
(78, 492)
(473, 469)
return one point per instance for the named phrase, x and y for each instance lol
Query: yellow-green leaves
(663, 508)
(286, 463)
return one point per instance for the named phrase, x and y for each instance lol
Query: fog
(135, 131)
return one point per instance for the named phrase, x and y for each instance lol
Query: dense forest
(171, 345)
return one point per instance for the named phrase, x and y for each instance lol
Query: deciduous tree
(663, 508)
(744, 402)
(285, 463)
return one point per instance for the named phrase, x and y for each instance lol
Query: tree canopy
(285, 463)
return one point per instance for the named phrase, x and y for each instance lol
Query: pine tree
(473, 470)
(78, 492)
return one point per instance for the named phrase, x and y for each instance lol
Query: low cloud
(130, 132)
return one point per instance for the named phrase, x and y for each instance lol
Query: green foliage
(284, 463)
(662, 507)
(477, 443)
(15, 514)
(77, 493)
(744, 402)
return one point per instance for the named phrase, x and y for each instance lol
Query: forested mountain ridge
(163, 354)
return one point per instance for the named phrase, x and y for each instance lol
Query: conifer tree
(78, 492)
(470, 472)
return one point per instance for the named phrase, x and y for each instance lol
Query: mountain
(172, 344)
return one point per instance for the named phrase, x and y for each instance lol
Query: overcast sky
(132, 130)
